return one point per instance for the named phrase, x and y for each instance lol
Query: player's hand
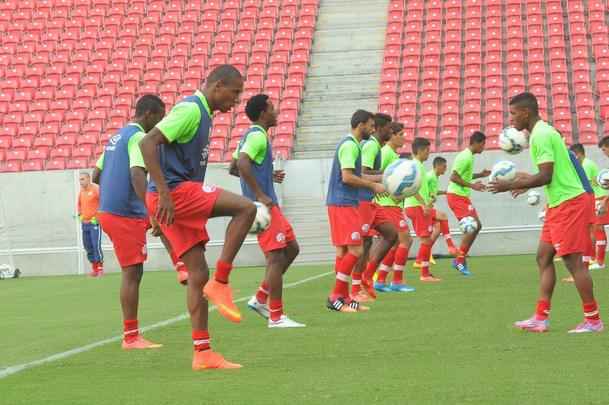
(156, 228)
(478, 186)
(166, 209)
(278, 176)
(517, 192)
(485, 173)
(378, 188)
(265, 199)
(498, 186)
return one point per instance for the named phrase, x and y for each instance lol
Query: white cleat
(596, 266)
(261, 309)
(285, 322)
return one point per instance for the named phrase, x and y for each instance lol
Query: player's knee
(356, 251)
(248, 209)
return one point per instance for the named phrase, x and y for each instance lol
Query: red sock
(462, 253)
(445, 231)
(341, 286)
(542, 312)
(401, 256)
(337, 263)
(222, 271)
(275, 308)
(423, 258)
(130, 330)
(370, 269)
(263, 292)
(356, 282)
(200, 340)
(601, 245)
(591, 311)
(389, 257)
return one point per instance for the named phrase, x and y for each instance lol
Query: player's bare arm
(233, 170)
(525, 182)
(352, 180)
(139, 181)
(483, 173)
(149, 147)
(244, 165)
(455, 178)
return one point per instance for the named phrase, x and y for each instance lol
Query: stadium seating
(71, 70)
(450, 66)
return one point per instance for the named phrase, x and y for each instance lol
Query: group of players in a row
(176, 203)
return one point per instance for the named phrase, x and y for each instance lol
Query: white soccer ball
(503, 170)
(263, 218)
(542, 215)
(602, 178)
(468, 225)
(533, 198)
(512, 140)
(402, 178)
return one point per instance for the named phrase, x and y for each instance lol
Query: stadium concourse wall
(39, 228)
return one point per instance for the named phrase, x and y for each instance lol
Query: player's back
(340, 193)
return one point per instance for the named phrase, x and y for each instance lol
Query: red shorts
(396, 217)
(421, 223)
(345, 225)
(194, 203)
(278, 234)
(567, 226)
(603, 219)
(372, 215)
(461, 206)
(128, 236)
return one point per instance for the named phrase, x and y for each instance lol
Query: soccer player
(565, 231)
(87, 206)
(373, 217)
(175, 152)
(121, 175)
(595, 257)
(253, 163)
(419, 208)
(344, 186)
(458, 193)
(392, 209)
(440, 226)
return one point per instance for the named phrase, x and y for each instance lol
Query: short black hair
(438, 160)
(604, 141)
(256, 106)
(406, 155)
(381, 120)
(578, 148)
(526, 100)
(149, 102)
(418, 144)
(360, 117)
(396, 127)
(225, 74)
(477, 137)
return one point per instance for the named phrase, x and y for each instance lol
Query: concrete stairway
(344, 74)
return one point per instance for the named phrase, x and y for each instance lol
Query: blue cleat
(382, 287)
(401, 288)
(461, 268)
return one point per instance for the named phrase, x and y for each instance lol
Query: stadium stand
(71, 69)
(450, 66)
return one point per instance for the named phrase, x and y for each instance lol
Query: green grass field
(450, 343)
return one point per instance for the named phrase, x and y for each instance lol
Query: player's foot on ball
(381, 287)
(221, 296)
(596, 266)
(338, 304)
(140, 343)
(285, 322)
(260, 309)
(430, 279)
(533, 325)
(461, 268)
(568, 279)
(207, 359)
(368, 286)
(401, 288)
(588, 327)
(362, 296)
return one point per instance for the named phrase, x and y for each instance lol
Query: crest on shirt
(209, 188)
(355, 236)
(280, 237)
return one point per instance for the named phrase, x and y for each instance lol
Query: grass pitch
(447, 343)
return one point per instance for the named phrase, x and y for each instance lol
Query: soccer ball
(512, 140)
(533, 198)
(468, 225)
(263, 218)
(402, 178)
(542, 215)
(602, 178)
(503, 170)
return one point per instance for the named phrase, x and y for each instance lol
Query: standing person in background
(88, 203)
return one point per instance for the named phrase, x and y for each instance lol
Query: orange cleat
(368, 285)
(430, 279)
(221, 296)
(207, 360)
(140, 343)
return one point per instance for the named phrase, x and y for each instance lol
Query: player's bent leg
(180, 268)
(423, 258)
(339, 299)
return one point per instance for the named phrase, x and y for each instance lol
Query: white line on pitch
(77, 350)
